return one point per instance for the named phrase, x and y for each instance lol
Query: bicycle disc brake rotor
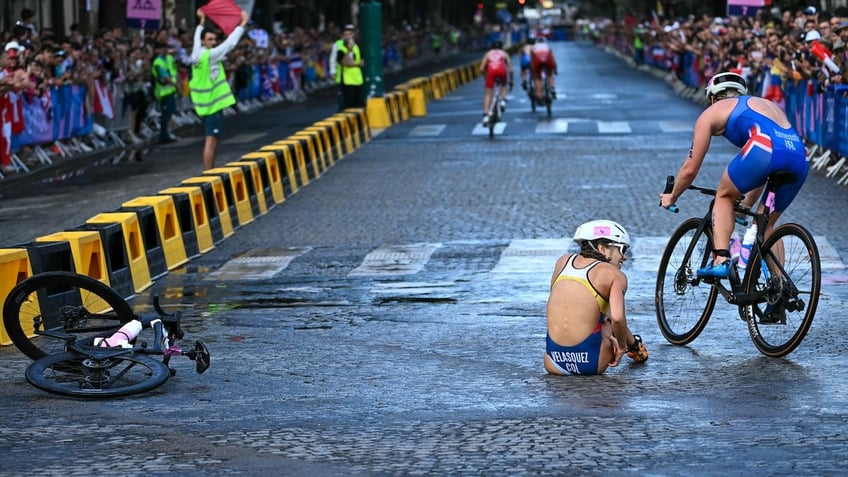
(681, 280)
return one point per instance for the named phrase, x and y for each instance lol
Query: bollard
(269, 167)
(133, 245)
(377, 110)
(315, 138)
(417, 105)
(50, 257)
(217, 207)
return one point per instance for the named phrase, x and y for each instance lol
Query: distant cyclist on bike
(587, 327)
(541, 56)
(496, 66)
(768, 144)
(525, 61)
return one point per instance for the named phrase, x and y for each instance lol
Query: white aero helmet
(601, 229)
(725, 81)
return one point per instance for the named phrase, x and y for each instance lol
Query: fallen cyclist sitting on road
(587, 327)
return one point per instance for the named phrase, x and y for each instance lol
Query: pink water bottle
(122, 338)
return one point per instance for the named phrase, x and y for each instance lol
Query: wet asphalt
(405, 334)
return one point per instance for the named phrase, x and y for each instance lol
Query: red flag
(225, 13)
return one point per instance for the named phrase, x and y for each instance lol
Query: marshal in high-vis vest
(210, 91)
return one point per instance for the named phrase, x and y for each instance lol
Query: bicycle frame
(734, 295)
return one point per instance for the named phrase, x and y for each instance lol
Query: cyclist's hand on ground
(637, 351)
(617, 352)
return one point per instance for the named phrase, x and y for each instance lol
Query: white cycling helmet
(725, 81)
(601, 229)
(812, 35)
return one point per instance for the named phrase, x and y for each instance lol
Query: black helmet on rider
(540, 38)
(497, 44)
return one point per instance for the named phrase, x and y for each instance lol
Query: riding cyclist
(587, 327)
(542, 56)
(525, 61)
(496, 66)
(768, 144)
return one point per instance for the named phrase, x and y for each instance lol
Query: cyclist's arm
(705, 128)
(617, 313)
(484, 62)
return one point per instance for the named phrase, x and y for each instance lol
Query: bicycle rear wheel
(779, 324)
(684, 303)
(494, 115)
(60, 303)
(78, 375)
(548, 99)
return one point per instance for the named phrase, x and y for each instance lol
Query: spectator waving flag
(103, 103)
(225, 13)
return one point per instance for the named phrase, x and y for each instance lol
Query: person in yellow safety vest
(164, 73)
(210, 91)
(349, 65)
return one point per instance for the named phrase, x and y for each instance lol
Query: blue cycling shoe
(722, 270)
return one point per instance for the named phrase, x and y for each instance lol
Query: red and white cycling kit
(541, 55)
(495, 67)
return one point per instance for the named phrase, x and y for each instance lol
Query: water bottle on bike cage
(747, 243)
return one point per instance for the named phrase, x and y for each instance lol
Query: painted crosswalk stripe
(675, 126)
(613, 127)
(479, 130)
(396, 260)
(257, 264)
(556, 126)
(428, 130)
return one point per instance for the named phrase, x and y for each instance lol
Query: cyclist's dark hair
(589, 249)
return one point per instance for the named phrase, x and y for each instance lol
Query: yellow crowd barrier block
(299, 157)
(378, 112)
(86, 251)
(238, 191)
(286, 155)
(202, 227)
(170, 234)
(14, 268)
(252, 171)
(219, 201)
(268, 160)
(326, 144)
(136, 256)
(313, 142)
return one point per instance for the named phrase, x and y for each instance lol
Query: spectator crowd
(771, 50)
(67, 85)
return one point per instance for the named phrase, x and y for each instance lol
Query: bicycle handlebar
(669, 186)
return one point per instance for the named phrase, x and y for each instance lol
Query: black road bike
(777, 295)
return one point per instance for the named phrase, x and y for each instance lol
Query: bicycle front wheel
(790, 278)
(60, 303)
(78, 375)
(684, 303)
